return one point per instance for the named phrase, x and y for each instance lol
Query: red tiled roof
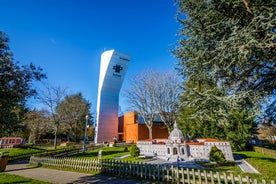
(195, 143)
(210, 140)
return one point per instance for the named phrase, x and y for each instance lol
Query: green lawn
(10, 178)
(109, 153)
(16, 151)
(228, 167)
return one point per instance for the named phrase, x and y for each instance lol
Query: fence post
(248, 180)
(119, 167)
(125, 168)
(193, 172)
(199, 175)
(182, 176)
(172, 173)
(136, 174)
(141, 170)
(177, 175)
(158, 172)
(255, 181)
(115, 166)
(239, 179)
(212, 177)
(218, 177)
(163, 173)
(225, 178)
(188, 175)
(205, 176)
(232, 178)
(150, 172)
(145, 170)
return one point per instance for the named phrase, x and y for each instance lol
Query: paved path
(244, 166)
(63, 177)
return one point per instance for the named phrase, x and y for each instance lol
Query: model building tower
(113, 68)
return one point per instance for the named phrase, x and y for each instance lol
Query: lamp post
(85, 132)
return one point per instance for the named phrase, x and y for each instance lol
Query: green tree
(239, 128)
(134, 151)
(16, 86)
(199, 116)
(227, 58)
(216, 155)
(72, 111)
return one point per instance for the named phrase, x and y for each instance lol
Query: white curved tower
(113, 68)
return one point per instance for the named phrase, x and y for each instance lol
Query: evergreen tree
(216, 155)
(227, 53)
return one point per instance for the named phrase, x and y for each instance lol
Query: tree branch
(247, 7)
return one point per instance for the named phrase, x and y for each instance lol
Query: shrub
(216, 155)
(134, 151)
(125, 149)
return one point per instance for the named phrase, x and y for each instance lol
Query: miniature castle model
(175, 148)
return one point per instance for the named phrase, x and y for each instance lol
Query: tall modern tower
(113, 68)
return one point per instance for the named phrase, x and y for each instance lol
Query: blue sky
(67, 37)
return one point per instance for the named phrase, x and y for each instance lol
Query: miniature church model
(176, 148)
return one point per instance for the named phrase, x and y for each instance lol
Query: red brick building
(132, 128)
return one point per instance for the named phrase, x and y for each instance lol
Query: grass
(266, 165)
(10, 178)
(227, 167)
(107, 153)
(24, 150)
(110, 153)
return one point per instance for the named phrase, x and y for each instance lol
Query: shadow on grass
(102, 178)
(245, 156)
(95, 153)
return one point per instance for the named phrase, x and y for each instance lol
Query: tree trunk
(55, 140)
(150, 132)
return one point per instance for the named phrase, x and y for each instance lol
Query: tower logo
(117, 68)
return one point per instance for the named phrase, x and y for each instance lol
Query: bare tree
(37, 124)
(267, 131)
(167, 96)
(141, 97)
(52, 98)
(154, 92)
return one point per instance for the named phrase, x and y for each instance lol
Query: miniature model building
(175, 148)
(113, 68)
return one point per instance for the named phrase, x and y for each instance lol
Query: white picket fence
(171, 174)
